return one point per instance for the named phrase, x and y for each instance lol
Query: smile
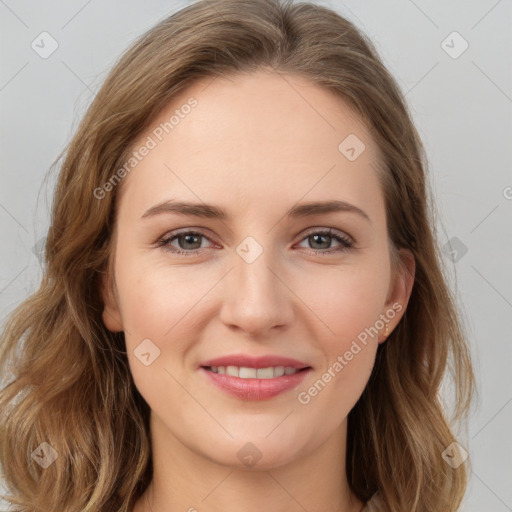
(244, 372)
(248, 385)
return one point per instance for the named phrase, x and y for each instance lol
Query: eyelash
(347, 244)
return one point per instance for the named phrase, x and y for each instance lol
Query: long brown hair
(67, 379)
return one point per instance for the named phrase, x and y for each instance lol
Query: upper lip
(255, 362)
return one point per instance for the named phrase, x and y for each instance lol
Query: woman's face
(265, 279)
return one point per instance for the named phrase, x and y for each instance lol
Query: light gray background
(462, 107)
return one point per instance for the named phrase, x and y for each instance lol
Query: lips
(254, 362)
(247, 388)
(255, 389)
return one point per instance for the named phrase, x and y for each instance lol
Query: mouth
(249, 377)
(255, 384)
(247, 363)
(246, 372)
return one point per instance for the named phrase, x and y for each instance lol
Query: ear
(400, 291)
(111, 314)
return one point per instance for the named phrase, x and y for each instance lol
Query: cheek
(348, 299)
(153, 309)
(157, 304)
(157, 301)
(338, 303)
(155, 297)
(349, 304)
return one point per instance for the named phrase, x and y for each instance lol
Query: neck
(315, 481)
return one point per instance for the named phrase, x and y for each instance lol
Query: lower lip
(255, 389)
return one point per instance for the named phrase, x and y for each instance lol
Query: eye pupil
(315, 238)
(189, 239)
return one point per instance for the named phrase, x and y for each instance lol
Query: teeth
(252, 373)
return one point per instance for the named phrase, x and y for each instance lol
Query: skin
(255, 145)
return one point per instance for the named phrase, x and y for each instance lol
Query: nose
(256, 298)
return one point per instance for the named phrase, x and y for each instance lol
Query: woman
(255, 370)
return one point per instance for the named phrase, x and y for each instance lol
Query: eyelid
(328, 231)
(165, 240)
(347, 242)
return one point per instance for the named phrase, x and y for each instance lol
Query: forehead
(259, 137)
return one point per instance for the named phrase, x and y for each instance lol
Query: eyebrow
(214, 212)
